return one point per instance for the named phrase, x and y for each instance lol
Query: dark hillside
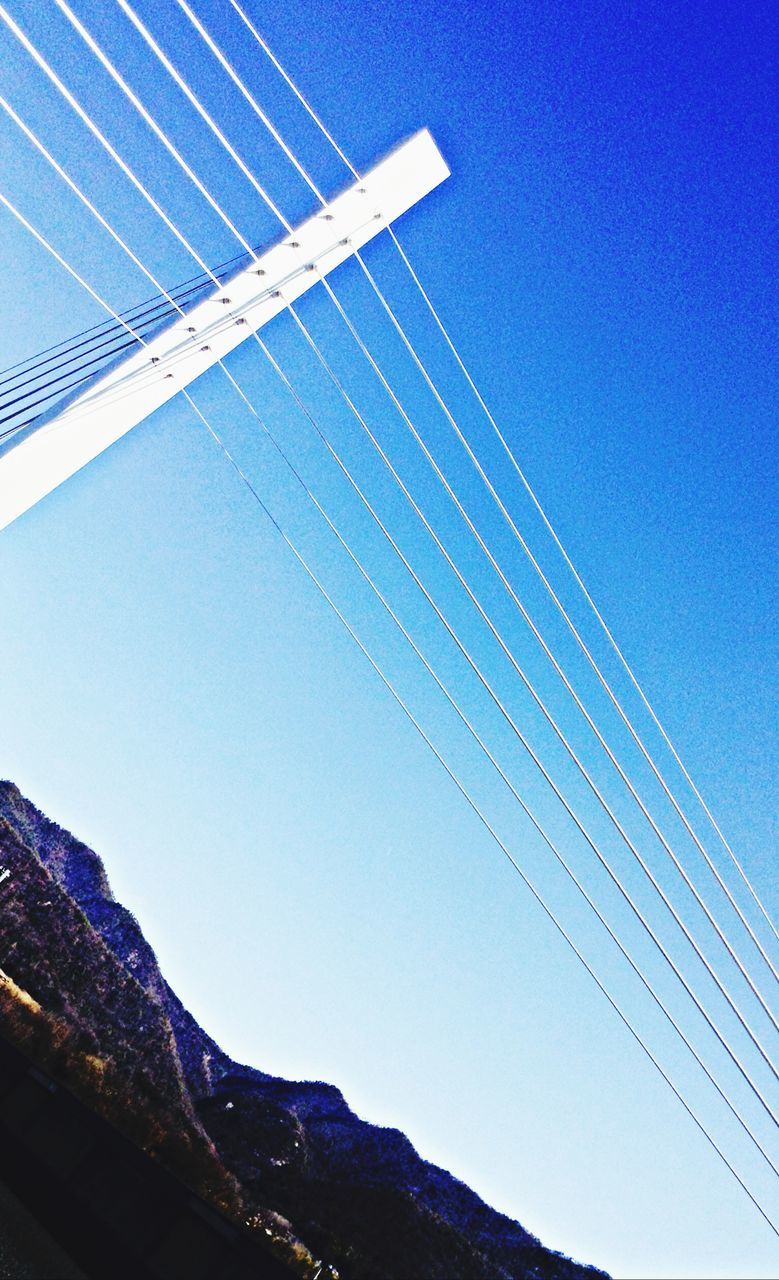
(288, 1163)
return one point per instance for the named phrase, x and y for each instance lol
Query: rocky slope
(81, 991)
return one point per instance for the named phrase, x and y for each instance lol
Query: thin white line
(547, 584)
(460, 786)
(715, 978)
(237, 80)
(144, 32)
(525, 482)
(159, 133)
(520, 736)
(304, 101)
(49, 71)
(253, 103)
(558, 669)
(601, 620)
(484, 820)
(462, 716)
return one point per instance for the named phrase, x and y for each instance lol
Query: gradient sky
(176, 692)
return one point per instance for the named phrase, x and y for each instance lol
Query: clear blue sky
(175, 691)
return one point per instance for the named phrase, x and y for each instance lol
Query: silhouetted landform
(288, 1164)
(83, 1202)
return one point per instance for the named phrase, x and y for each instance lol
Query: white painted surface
(45, 455)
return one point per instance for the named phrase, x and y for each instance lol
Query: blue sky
(176, 692)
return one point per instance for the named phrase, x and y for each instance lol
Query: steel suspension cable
(107, 326)
(588, 597)
(511, 722)
(548, 653)
(104, 223)
(506, 515)
(478, 812)
(536, 502)
(81, 195)
(24, 402)
(554, 596)
(208, 119)
(160, 133)
(465, 720)
(140, 318)
(227, 66)
(45, 367)
(86, 119)
(473, 805)
(143, 31)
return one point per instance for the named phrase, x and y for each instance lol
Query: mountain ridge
(327, 1191)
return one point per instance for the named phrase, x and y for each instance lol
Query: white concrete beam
(68, 436)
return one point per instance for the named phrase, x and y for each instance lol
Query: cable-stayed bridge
(700, 918)
(44, 451)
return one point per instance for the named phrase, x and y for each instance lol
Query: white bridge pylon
(74, 431)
